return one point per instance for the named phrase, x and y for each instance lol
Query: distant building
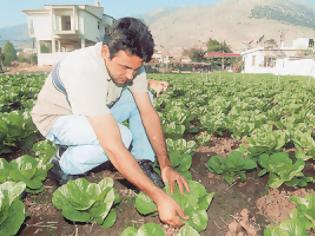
(295, 60)
(160, 57)
(58, 29)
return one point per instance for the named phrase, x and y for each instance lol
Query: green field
(235, 137)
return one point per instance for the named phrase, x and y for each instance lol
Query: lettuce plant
(289, 227)
(173, 130)
(232, 167)
(16, 131)
(44, 149)
(181, 145)
(304, 144)
(32, 171)
(301, 219)
(181, 162)
(203, 138)
(194, 204)
(81, 201)
(148, 229)
(266, 140)
(180, 155)
(213, 122)
(306, 209)
(12, 210)
(187, 230)
(239, 126)
(4, 170)
(281, 170)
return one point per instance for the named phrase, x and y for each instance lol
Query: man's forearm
(155, 134)
(120, 157)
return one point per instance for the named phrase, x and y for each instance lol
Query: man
(86, 98)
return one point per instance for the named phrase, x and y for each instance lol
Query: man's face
(123, 66)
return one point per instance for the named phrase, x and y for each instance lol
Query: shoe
(147, 167)
(56, 172)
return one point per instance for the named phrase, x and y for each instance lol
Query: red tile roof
(221, 54)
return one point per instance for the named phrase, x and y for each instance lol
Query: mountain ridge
(229, 21)
(240, 23)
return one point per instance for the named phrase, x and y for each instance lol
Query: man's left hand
(170, 176)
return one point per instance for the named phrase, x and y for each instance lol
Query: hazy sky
(11, 11)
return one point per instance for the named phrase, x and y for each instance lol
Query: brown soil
(243, 225)
(226, 213)
(26, 68)
(276, 206)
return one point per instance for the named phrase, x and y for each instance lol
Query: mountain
(17, 35)
(242, 24)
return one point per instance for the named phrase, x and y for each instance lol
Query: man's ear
(105, 51)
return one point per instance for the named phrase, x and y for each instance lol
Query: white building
(295, 60)
(58, 29)
(161, 58)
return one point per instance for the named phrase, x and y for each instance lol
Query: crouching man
(83, 103)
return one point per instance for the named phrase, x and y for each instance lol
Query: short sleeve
(139, 83)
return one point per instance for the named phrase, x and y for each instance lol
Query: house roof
(270, 50)
(84, 7)
(221, 54)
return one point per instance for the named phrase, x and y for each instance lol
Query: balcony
(64, 20)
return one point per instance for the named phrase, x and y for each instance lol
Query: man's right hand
(170, 212)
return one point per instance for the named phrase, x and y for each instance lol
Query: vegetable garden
(244, 142)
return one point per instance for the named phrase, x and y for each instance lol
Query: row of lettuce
(268, 116)
(273, 119)
(27, 173)
(82, 201)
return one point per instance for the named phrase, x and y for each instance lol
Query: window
(65, 23)
(269, 62)
(311, 43)
(253, 60)
(45, 46)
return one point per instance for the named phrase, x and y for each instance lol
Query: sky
(11, 11)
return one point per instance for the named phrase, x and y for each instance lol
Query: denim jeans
(84, 151)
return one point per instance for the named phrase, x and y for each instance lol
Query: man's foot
(147, 167)
(56, 172)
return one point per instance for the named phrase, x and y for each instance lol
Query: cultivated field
(245, 142)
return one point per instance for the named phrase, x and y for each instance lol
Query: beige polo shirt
(89, 88)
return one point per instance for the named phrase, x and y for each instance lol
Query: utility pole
(222, 62)
(1, 62)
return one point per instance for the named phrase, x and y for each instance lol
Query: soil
(276, 206)
(239, 209)
(26, 68)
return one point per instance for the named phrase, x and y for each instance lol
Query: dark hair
(130, 34)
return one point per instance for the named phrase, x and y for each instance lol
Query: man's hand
(170, 212)
(158, 86)
(170, 176)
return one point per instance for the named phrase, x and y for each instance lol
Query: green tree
(195, 54)
(9, 53)
(216, 46)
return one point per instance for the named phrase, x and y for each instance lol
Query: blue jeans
(84, 151)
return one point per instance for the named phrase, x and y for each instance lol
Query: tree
(195, 54)
(215, 46)
(9, 53)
